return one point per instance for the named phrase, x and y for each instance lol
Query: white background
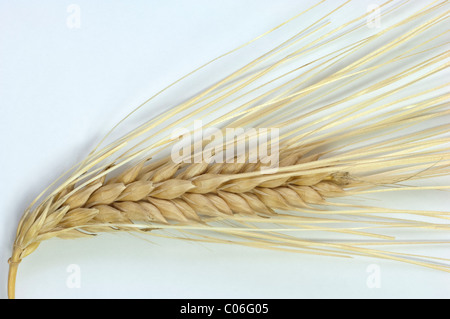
(62, 89)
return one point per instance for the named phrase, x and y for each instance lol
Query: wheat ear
(326, 153)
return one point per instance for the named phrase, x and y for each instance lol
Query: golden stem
(14, 262)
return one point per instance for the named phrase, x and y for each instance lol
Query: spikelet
(325, 153)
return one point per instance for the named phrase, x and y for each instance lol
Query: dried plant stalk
(321, 157)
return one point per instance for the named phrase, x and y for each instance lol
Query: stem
(14, 262)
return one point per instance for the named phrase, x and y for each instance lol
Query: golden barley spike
(340, 135)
